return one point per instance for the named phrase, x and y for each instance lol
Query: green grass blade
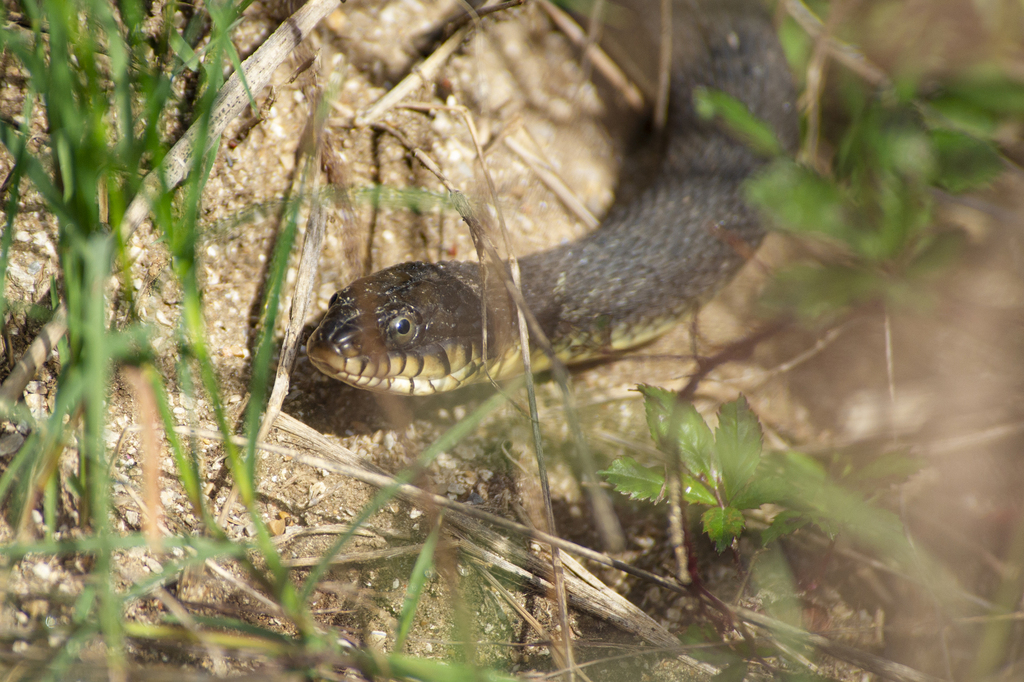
(417, 581)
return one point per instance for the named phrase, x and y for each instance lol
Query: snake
(417, 328)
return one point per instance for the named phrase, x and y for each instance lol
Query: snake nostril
(347, 348)
(345, 340)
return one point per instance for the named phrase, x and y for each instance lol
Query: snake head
(413, 328)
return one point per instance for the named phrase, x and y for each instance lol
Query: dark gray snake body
(416, 327)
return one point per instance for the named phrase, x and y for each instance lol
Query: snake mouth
(432, 369)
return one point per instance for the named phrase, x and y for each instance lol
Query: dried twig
(34, 357)
(846, 54)
(601, 61)
(553, 182)
(421, 75)
(357, 557)
(308, 261)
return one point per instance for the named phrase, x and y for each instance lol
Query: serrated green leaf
(696, 444)
(738, 445)
(632, 478)
(696, 492)
(723, 525)
(658, 405)
(677, 427)
(764, 488)
(785, 523)
(799, 463)
(964, 162)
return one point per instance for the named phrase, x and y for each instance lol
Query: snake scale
(416, 328)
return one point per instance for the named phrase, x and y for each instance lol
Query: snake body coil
(416, 328)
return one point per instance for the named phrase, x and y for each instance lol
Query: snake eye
(334, 299)
(402, 328)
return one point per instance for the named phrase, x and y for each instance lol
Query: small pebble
(10, 443)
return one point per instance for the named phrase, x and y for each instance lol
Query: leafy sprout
(727, 472)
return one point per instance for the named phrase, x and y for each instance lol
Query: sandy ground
(943, 387)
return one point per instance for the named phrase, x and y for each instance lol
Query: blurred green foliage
(891, 153)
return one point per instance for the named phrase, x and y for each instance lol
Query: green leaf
(801, 466)
(678, 427)
(785, 523)
(417, 582)
(835, 508)
(696, 492)
(738, 444)
(907, 150)
(797, 199)
(963, 115)
(994, 94)
(906, 212)
(632, 478)
(964, 162)
(723, 525)
(738, 119)
(183, 51)
(889, 468)
(796, 44)
(764, 488)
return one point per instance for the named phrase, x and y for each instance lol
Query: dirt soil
(943, 385)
